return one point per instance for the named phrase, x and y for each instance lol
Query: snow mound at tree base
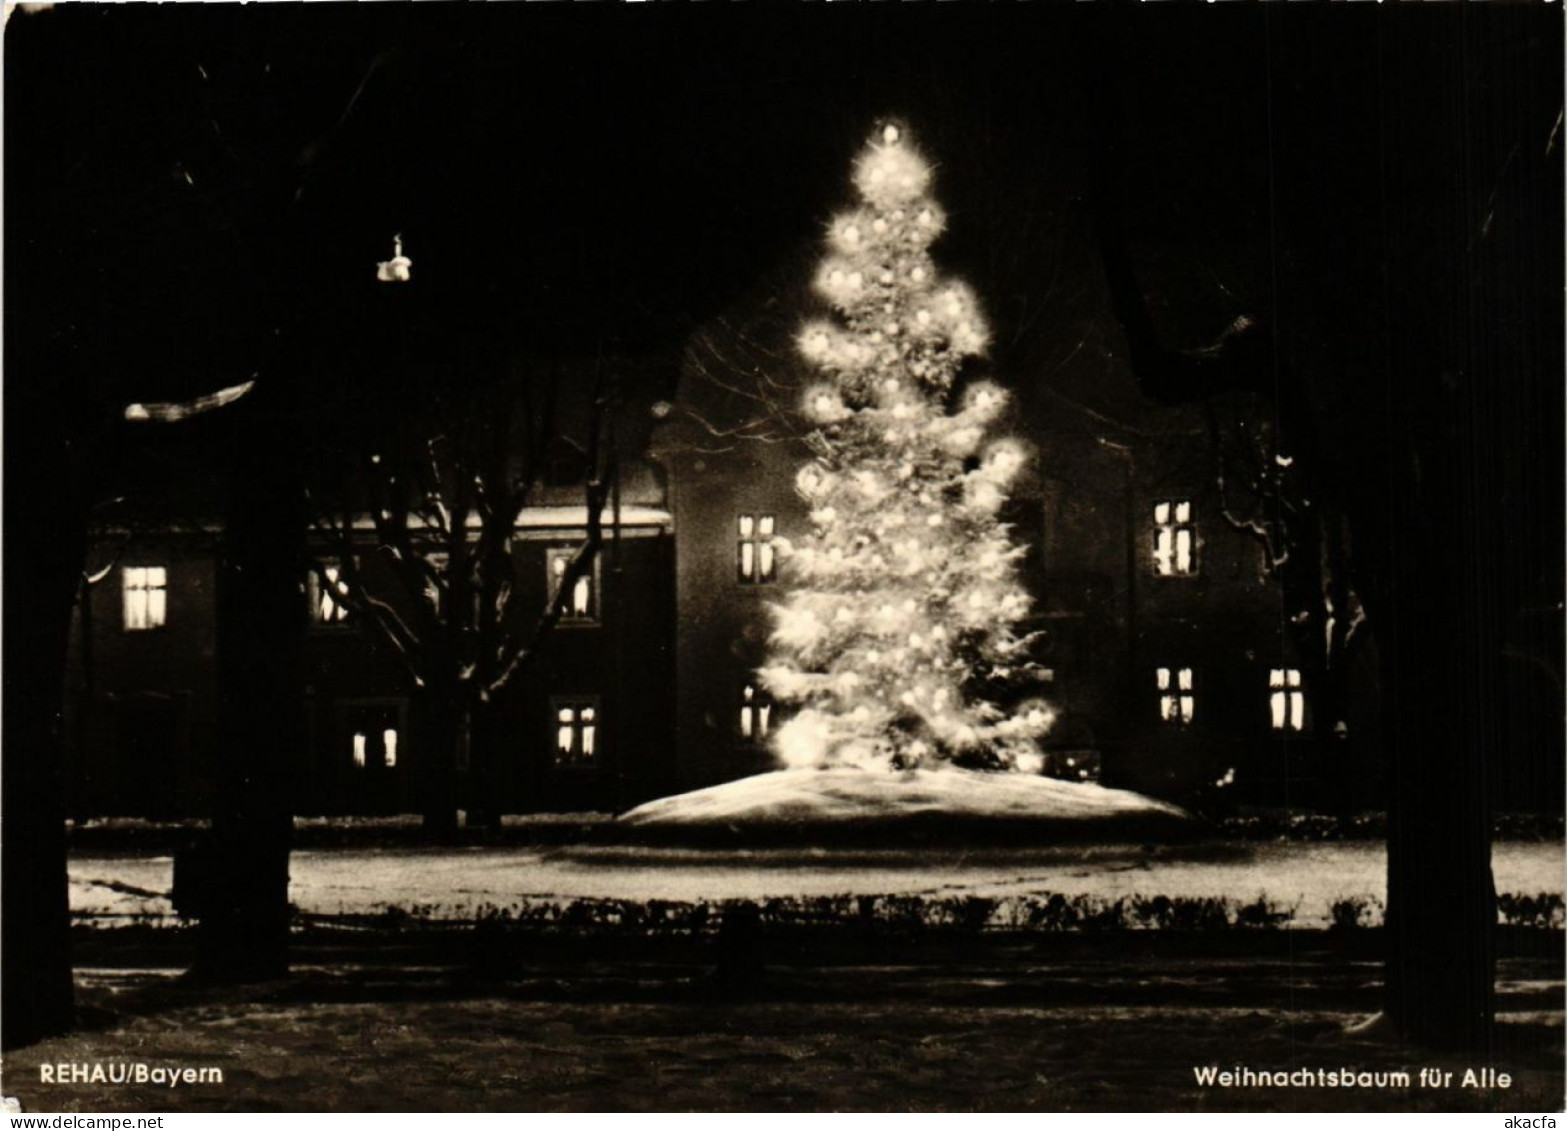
(915, 807)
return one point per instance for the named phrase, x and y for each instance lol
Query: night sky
(186, 180)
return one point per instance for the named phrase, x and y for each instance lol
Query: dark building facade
(1163, 633)
(585, 722)
(1165, 639)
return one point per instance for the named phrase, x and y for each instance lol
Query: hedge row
(1278, 825)
(948, 914)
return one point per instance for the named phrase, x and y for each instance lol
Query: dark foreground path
(1099, 1024)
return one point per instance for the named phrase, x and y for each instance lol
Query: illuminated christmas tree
(899, 640)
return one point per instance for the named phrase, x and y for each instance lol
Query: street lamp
(399, 268)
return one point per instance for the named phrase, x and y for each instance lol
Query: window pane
(745, 722)
(1183, 551)
(581, 597)
(766, 526)
(1162, 677)
(359, 749)
(1188, 706)
(1276, 677)
(327, 607)
(1276, 706)
(135, 608)
(1297, 710)
(144, 596)
(576, 735)
(747, 560)
(557, 565)
(1183, 512)
(389, 744)
(1186, 679)
(747, 526)
(1161, 551)
(1166, 706)
(766, 571)
(763, 715)
(1161, 513)
(1293, 677)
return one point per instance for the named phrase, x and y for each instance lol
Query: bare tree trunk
(444, 741)
(35, 951)
(1441, 903)
(487, 801)
(244, 907)
(1438, 634)
(86, 696)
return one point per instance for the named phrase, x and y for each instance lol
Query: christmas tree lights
(898, 641)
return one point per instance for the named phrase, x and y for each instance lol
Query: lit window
(576, 727)
(146, 597)
(1177, 700)
(1286, 699)
(366, 753)
(579, 604)
(758, 563)
(1174, 543)
(328, 603)
(756, 714)
(373, 736)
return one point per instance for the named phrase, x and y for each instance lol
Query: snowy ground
(1093, 1036)
(380, 1021)
(457, 883)
(789, 799)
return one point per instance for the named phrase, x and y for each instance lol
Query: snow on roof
(531, 518)
(552, 518)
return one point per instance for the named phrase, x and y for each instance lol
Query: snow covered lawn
(457, 883)
(799, 803)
